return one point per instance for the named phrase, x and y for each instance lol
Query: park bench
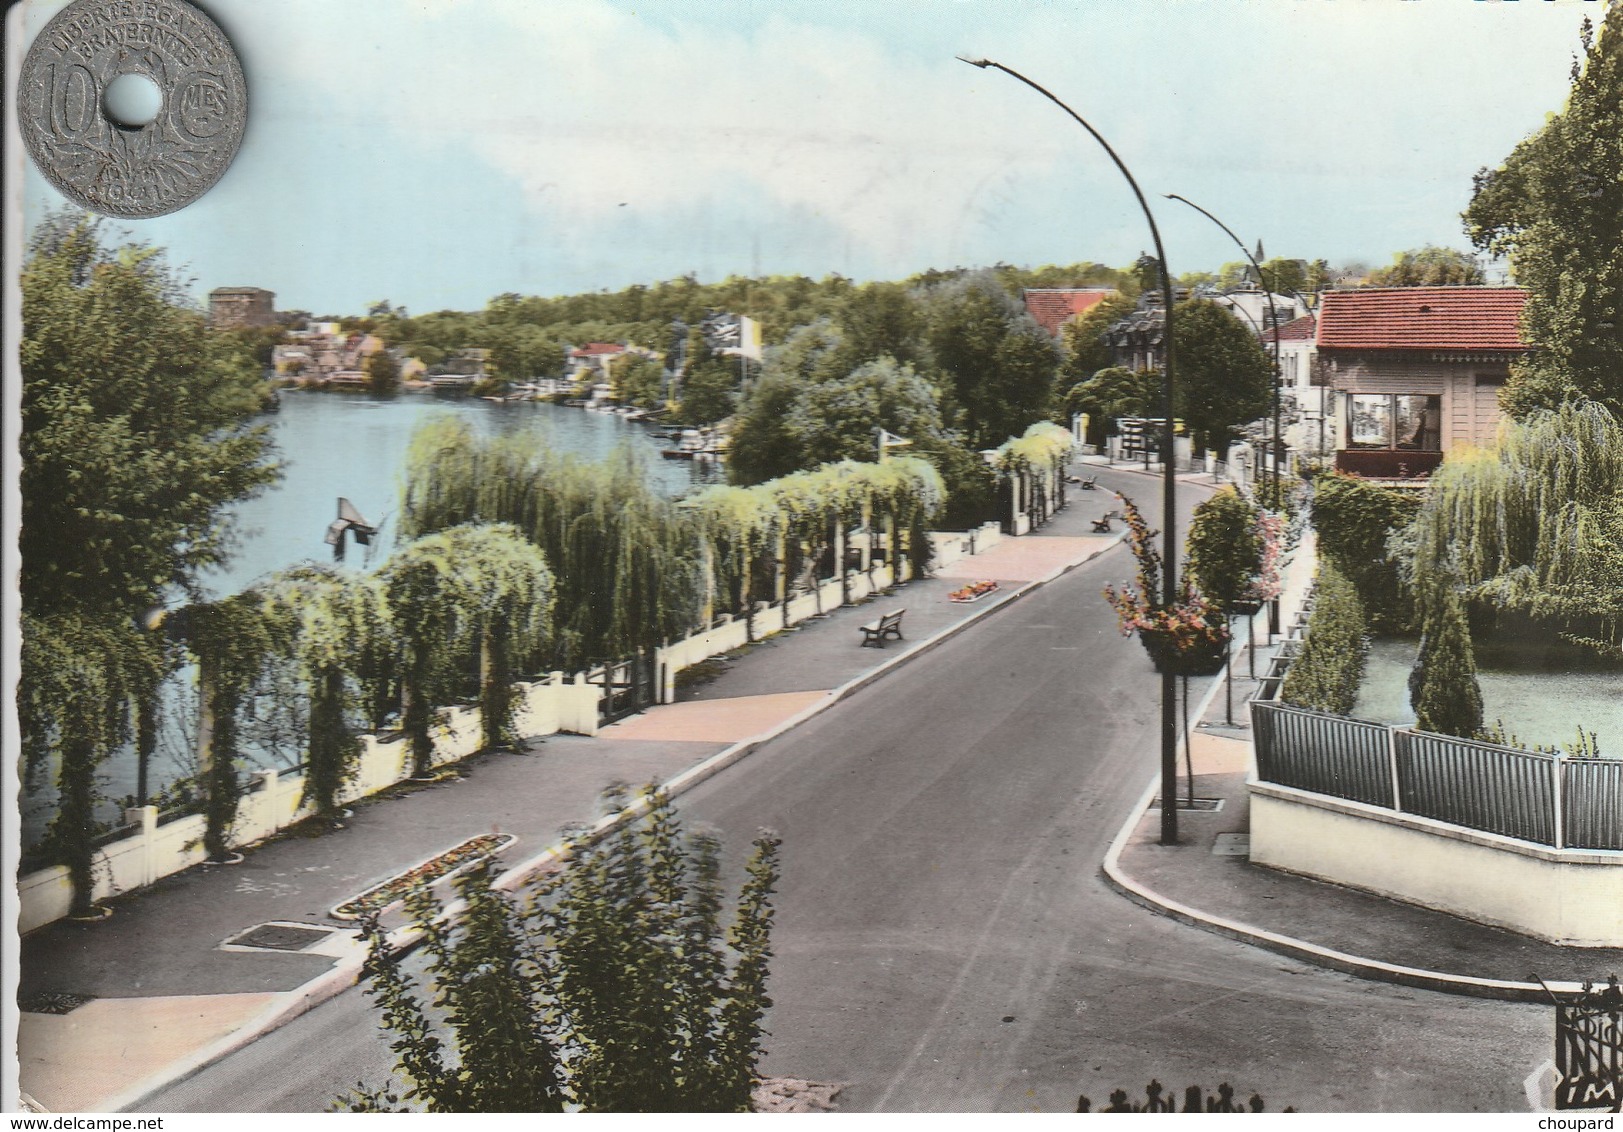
(1088, 484)
(875, 632)
(1102, 524)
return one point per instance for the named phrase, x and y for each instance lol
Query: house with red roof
(1053, 307)
(1417, 370)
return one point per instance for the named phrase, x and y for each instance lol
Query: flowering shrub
(379, 898)
(972, 591)
(1190, 628)
(1267, 584)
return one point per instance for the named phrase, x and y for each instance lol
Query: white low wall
(546, 707)
(734, 634)
(271, 802)
(1567, 896)
(955, 546)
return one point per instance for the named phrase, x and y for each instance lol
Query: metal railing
(1544, 799)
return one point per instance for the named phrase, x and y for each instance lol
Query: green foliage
(1430, 266)
(839, 419)
(637, 380)
(997, 364)
(1326, 674)
(624, 562)
(1225, 547)
(968, 483)
(1224, 378)
(1044, 445)
(619, 988)
(1442, 687)
(709, 387)
(1111, 393)
(1533, 523)
(79, 675)
(1354, 520)
(135, 439)
(232, 640)
(1082, 340)
(455, 592)
(382, 372)
(813, 406)
(134, 444)
(336, 623)
(1553, 208)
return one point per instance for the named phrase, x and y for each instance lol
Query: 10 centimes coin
(132, 171)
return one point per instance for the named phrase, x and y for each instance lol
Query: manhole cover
(279, 937)
(1197, 805)
(53, 1002)
(1232, 845)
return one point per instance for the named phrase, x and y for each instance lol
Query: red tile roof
(1052, 307)
(1422, 318)
(593, 348)
(1296, 330)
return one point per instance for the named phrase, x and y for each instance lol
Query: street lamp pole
(1273, 322)
(1169, 556)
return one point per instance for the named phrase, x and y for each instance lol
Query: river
(354, 446)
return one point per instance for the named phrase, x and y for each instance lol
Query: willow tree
(457, 593)
(907, 492)
(740, 527)
(74, 702)
(624, 561)
(1533, 523)
(335, 622)
(232, 640)
(509, 588)
(429, 605)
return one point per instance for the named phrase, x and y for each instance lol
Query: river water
(354, 446)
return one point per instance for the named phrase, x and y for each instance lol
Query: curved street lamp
(1169, 689)
(1273, 322)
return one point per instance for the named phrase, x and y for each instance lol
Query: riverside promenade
(113, 1011)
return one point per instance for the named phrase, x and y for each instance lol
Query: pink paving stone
(1023, 559)
(714, 721)
(79, 1061)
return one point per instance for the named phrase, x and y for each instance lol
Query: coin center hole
(133, 100)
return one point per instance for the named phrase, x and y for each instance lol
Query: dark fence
(1592, 803)
(1477, 785)
(1566, 803)
(1308, 750)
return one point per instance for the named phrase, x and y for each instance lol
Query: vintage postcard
(506, 504)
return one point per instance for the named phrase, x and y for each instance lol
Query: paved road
(945, 941)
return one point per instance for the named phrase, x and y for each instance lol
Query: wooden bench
(1088, 484)
(1102, 524)
(876, 632)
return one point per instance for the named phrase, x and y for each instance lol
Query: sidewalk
(114, 1010)
(1208, 880)
(117, 1009)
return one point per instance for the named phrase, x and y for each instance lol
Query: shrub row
(1325, 677)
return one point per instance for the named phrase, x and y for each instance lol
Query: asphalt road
(945, 941)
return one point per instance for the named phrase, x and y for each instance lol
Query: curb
(1373, 969)
(347, 972)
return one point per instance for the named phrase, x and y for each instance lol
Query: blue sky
(438, 152)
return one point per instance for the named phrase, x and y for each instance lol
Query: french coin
(132, 171)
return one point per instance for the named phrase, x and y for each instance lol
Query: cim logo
(201, 109)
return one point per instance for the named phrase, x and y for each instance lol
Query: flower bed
(381, 897)
(972, 592)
